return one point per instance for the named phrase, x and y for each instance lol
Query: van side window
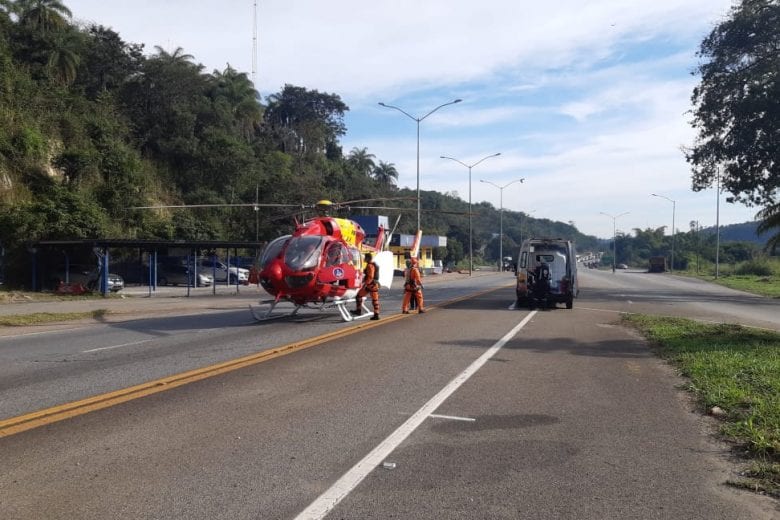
(524, 259)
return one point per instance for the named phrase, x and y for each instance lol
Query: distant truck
(657, 264)
(546, 273)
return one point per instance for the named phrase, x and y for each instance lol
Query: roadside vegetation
(758, 276)
(734, 372)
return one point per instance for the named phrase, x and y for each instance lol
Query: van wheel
(232, 279)
(569, 303)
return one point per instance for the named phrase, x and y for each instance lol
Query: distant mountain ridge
(745, 232)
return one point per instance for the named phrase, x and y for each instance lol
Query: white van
(546, 273)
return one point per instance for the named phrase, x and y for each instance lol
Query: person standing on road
(370, 286)
(413, 288)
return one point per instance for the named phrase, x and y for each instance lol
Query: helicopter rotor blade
(243, 205)
(389, 208)
(348, 202)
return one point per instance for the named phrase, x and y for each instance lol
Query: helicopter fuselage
(321, 261)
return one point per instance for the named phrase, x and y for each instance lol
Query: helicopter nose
(275, 273)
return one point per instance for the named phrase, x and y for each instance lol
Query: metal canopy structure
(102, 246)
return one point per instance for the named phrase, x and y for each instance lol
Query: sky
(587, 101)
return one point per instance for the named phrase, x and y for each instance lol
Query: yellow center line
(61, 412)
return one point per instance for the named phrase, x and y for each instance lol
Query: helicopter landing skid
(346, 314)
(268, 315)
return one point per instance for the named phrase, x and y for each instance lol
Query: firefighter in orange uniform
(413, 288)
(370, 286)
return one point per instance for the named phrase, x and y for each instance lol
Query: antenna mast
(254, 45)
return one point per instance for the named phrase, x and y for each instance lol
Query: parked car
(622, 266)
(243, 261)
(88, 276)
(219, 271)
(173, 274)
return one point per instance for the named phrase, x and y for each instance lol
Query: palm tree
(236, 89)
(386, 174)
(176, 58)
(63, 61)
(362, 161)
(770, 219)
(42, 15)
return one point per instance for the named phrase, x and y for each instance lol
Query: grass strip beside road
(40, 318)
(734, 373)
(762, 285)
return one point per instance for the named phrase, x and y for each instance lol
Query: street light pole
(418, 120)
(501, 219)
(674, 207)
(470, 166)
(614, 235)
(717, 226)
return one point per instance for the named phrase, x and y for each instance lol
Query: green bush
(758, 267)
(30, 143)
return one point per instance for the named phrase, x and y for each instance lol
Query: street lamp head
(457, 101)
(382, 104)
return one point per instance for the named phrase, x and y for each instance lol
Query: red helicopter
(321, 265)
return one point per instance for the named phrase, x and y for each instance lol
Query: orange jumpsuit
(413, 288)
(370, 286)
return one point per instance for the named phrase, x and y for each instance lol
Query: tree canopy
(737, 105)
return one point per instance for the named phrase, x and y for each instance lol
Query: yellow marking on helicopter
(348, 231)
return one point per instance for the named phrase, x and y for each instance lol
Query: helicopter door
(338, 268)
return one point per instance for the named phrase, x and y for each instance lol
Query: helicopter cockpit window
(336, 254)
(272, 250)
(356, 260)
(303, 252)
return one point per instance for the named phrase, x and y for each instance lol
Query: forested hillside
(93, 125)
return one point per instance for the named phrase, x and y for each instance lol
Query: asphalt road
(469, 411)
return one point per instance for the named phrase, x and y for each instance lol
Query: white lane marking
(116, 346)
(603, 310)
(349, 481)
(452, 417)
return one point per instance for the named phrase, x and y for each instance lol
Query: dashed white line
(116, 346)
(350, 480)
(452, 417)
